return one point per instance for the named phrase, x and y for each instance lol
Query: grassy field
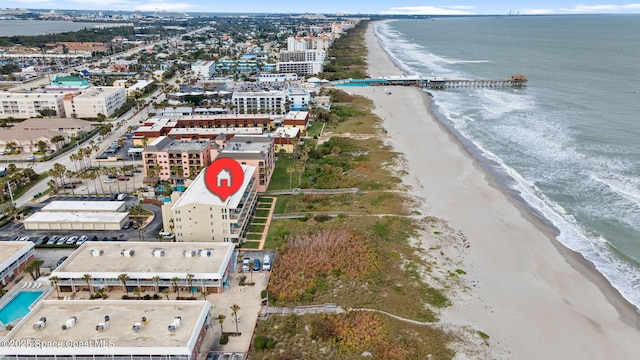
(314, 128)
(280, 178)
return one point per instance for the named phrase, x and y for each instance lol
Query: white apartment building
(209, 263)
(200, 216)
(300, 67)
(95, 100)
(110, 329)
(29, 105)
(315, 56)
(204, 69)
(298, 99)
(269, 102)
(294, 44)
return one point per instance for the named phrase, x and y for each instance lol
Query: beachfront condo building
(302, 68)
(29, 105)
(142, 262)
(204, 69)
(111, 329)
(197, 215)
(174, 160)
(264, 102)
(253, 150)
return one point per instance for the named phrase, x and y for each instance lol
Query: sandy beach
(534, 298)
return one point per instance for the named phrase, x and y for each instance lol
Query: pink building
(175, 160)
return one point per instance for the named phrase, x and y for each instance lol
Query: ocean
(567, 145)
(40, 27)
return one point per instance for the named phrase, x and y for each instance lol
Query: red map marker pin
(223, 177)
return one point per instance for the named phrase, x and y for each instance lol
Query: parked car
(127, 225)
(121, 197)
(266, 263)
(61, 240)
(52, 240)
(112, 176)
(113, 197)
(256, 265)
(82, 240)
(245, 264)
(62, 259)
(69, 186)
(109, 181)
(123, 178)
(136, 170)
(128, 173)
(24, 238)
(71, 240)
(41, 240)
(31, 158)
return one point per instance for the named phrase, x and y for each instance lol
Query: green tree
(234, 310)
(220, 319)
(87, 279)
(174, 282)
(57, 140)
(156, 282)
(54, 280)
(124, 278)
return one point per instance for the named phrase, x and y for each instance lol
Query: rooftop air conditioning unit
(127, 252)
(171, 328)
(71, 321)
(189, 253)
(100, 327)
(205, 253)
(39, 325)
(96, 252)
(157, 252)
(136, 327)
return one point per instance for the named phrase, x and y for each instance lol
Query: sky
(461, 7)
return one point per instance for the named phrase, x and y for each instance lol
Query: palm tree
(124, 278)
(87, 279)
(166, 292)
(69, 175)
(42, 147)
(53, 185)
(190, 281)
(220, 319)
(204, 295)
(174, 282)
(137, 291)
(74, 158)
(234, 311)
(290, 170)
(156, 281)
(54, 280)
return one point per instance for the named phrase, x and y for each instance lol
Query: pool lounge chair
(38, 285)
(28, 285)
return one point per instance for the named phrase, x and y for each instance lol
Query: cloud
(429, 10)
(604, 7)
(536, 11)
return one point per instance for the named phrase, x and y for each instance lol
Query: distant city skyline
(401, 7)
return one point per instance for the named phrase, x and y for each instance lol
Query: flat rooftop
(84, 206)
(216, 131)
(198, 193)
(10, 251)
(296, 115)
(118, 337)
(76, 217)
(143, 262)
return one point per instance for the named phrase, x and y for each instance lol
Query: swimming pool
(18, 307)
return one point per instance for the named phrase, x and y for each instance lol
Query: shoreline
(542, 281)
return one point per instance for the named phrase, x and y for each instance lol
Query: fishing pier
(514, 81)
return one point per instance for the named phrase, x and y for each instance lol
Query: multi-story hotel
(178, 266)
(173, 160)
(269, 102)
(110, 330)
(300, 67)
(95, 100)
(14, 257)
(200, 216)
(29, 105)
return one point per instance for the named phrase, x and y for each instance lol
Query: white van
(121, 197)
(166, 235)
(266, 263)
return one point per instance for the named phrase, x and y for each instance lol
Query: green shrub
(224, 339)
(322, 218)
(259, 342)
(270, 344)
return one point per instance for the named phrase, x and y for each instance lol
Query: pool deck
(18, 288)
